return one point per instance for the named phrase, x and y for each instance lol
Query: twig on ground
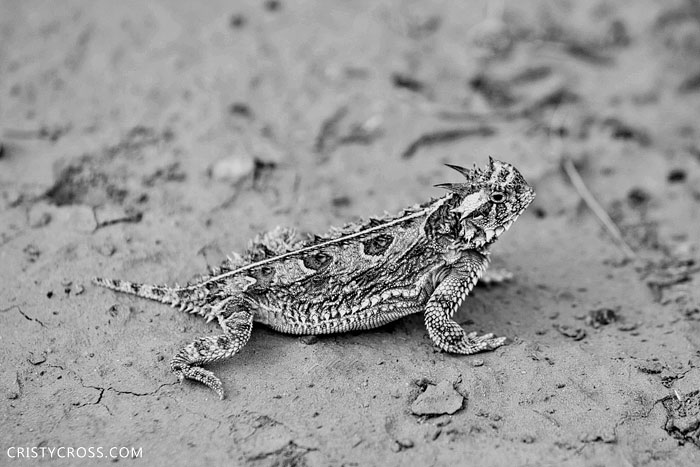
(595, 207)
(443, 136)
(131, 218)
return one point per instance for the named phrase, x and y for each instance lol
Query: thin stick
(595, 207)
(445, 136)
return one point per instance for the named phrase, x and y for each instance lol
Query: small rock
(601, 317)
(676, 176)
(405, 443)
(232, 169)
(651, 367)
(438, 400)
(39, 216)
(113, 311)
(668, 378)
(638, 197)
(477, 362)
(106, 249)
(308, 340)
(628, 327)
(110, 215)
(576, 334)
(32, 252)
(608, 438)
(341, 201)
(686, 425)
(683, 416)
(11, 198)
(36, 360)
(240, 108)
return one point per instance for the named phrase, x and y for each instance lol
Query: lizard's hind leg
(237, 323)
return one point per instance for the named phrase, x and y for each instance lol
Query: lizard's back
(357, 277)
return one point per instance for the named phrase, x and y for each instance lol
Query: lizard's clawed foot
(486, 341)
(455, 340)
(184, 371)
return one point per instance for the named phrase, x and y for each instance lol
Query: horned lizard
(363, 275)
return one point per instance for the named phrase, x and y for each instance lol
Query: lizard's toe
(488, 342)
(473, 343)
(476, 338)
(184, 371)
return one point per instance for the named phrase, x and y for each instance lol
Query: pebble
(232, 169)
(39, 216)
(602, 317)
(438, 400)
(405, 443)
(576, 334)
(628, 327)
(308, 340)
(106, 249)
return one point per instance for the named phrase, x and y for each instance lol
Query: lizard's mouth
(480, 236)
(492, 234)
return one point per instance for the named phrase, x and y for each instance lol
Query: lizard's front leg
(444, 301)
(237, 322)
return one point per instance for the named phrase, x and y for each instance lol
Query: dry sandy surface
(145, 140)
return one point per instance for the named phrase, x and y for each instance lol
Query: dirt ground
(145, 140)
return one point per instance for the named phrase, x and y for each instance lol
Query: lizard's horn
(491, 163)
(453, 187)
(468, 174)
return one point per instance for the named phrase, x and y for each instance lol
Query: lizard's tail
(175, 297)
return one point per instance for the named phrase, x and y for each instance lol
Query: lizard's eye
(498, 197)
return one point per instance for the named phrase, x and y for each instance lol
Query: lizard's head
(489, 201)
